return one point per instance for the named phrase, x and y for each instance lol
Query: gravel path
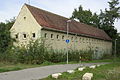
(39, 72)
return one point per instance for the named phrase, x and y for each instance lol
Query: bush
(107, 56)
(55, 56)
(9, 56)
(36, 52)
(74, 55)
(86, 55)
(33, 53)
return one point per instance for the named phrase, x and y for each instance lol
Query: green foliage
(56, 56)
(86, 55)
(85, 16)
(74, 55)
(107, 56)
(118, 45)
(59, 56)
(105, 20)
(36, 53)
(5, 39)
(108, 18)
(33, 53)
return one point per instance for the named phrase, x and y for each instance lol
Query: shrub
(9, 56)
(56, 56)
(86, 55)
(106, 56)
(35, 52)
(74, 55)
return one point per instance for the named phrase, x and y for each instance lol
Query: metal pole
(67, 43)
(67, 37)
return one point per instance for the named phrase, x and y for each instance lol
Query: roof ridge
(63, 16)
(47, 11)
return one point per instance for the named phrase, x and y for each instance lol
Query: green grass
(100, 73)
(98, 61)
(5, 67)
(13, 67)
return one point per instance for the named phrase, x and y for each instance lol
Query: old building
(34, 23)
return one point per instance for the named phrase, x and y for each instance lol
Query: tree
(5, 39)
(85, 16)
(108, 18)
(105, 20)
(118, 45)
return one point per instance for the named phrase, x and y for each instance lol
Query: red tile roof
(52, 21)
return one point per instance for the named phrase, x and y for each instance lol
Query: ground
(39, 72)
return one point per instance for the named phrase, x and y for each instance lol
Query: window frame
(16, 36)
(57, 36)
(51, 36)
(63, 37)
(33, 35)
(24, 36)
(45, 35)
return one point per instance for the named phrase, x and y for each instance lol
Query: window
(52, 36)
(33, 35)
(24, 35)
(62, 37)
(71, 38)
(57, 36)
(80, 38)
(76, 37)
(45, 35)
(16, 36)
(24, 17)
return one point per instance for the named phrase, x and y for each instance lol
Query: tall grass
(36, 52)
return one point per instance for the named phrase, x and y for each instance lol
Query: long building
(34, 23)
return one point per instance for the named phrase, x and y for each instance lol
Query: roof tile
(53, 21)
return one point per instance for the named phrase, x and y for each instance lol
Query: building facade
(33, 23)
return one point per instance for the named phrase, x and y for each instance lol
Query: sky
(11, 8)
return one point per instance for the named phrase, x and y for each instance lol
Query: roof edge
(84, 35)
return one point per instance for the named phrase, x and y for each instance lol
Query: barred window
(51, 35)
(33, 35)
(57, 36)
(45, 35)
(24, 35)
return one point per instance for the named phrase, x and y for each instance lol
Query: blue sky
(11, 8)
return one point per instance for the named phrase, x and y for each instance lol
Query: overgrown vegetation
(36, 53)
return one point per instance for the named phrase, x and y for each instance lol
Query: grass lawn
(5, 67)
(104, 72)
(13, 67)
